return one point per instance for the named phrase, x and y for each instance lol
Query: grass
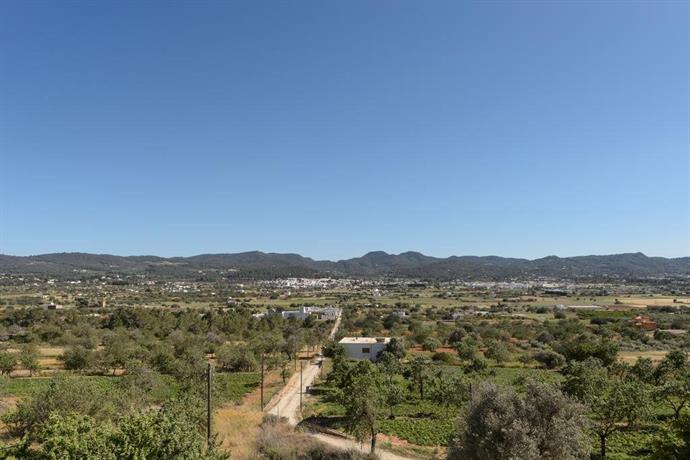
(27, 387)
(631, 357)
(233, 386)
(228, 386)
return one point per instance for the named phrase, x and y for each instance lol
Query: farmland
(111, 336)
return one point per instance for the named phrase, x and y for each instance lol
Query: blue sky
(335, 128)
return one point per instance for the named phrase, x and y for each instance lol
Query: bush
(431, 344)
(445, 358)
(549, 359)
(78, 358)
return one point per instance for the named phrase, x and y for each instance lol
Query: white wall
(355, 350)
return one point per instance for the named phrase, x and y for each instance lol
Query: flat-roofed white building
(364, 347)
(301, 314)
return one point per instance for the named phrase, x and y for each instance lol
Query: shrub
(431, 344)
(549, 359)
(445, 358)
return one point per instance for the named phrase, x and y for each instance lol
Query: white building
(330, 312)
(326, 313)
(52, 306)
(302, 313)
(363, 347)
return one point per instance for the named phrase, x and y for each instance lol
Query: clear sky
(334, 128)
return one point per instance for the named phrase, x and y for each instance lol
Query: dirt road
(348, 444)
(287, 404)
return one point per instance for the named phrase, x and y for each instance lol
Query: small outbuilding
(644, 322)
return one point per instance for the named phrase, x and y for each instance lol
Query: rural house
(364, 347)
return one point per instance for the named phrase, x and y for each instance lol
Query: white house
(52, 306)
(329, 312)
(364, 347)
(302, 313)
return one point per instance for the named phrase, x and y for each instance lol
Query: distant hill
(261, 265)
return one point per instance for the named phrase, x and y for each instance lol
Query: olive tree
(419, 372)
(7, 362)
(28, 358)
(361, 395)
(448, 389)
(499, 423)
(613, 402)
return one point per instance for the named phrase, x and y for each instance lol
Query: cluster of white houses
(328, 312)
(364, 347)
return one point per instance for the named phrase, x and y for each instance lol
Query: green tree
(393, 395)
(643, 369)
(675, 393)
(431, 344)
(498, 423)
(673, 441)
(76, 436)
(7, 362)
(467, 349)
(361, 395)
(116, 352)
(77, 358)
(498, 351)
(64, 396)
(613, 402)
(396, 347)
(448, 389)
(584, 346)
(170, 432)
(167, 433)
(28, 358)
(389, 365)
(332, 349)
(419, 372)
(585, 380)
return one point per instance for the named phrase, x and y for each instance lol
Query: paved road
(286, 404)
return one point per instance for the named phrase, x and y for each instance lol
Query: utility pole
(209, 379)
(262, 381)
(300, 386)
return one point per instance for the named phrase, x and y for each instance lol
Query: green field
(421, 422)
(228, 386)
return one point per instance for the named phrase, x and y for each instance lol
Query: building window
(365, 350)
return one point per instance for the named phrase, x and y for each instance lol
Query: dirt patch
(237, 428)
(449, 350)
(631, 356)
(656, 302)
(237, 425)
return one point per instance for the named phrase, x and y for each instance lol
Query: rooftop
(365, 340)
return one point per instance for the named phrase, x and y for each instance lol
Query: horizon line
(337, 260)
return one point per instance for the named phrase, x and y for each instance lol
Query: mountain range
(256, 264)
